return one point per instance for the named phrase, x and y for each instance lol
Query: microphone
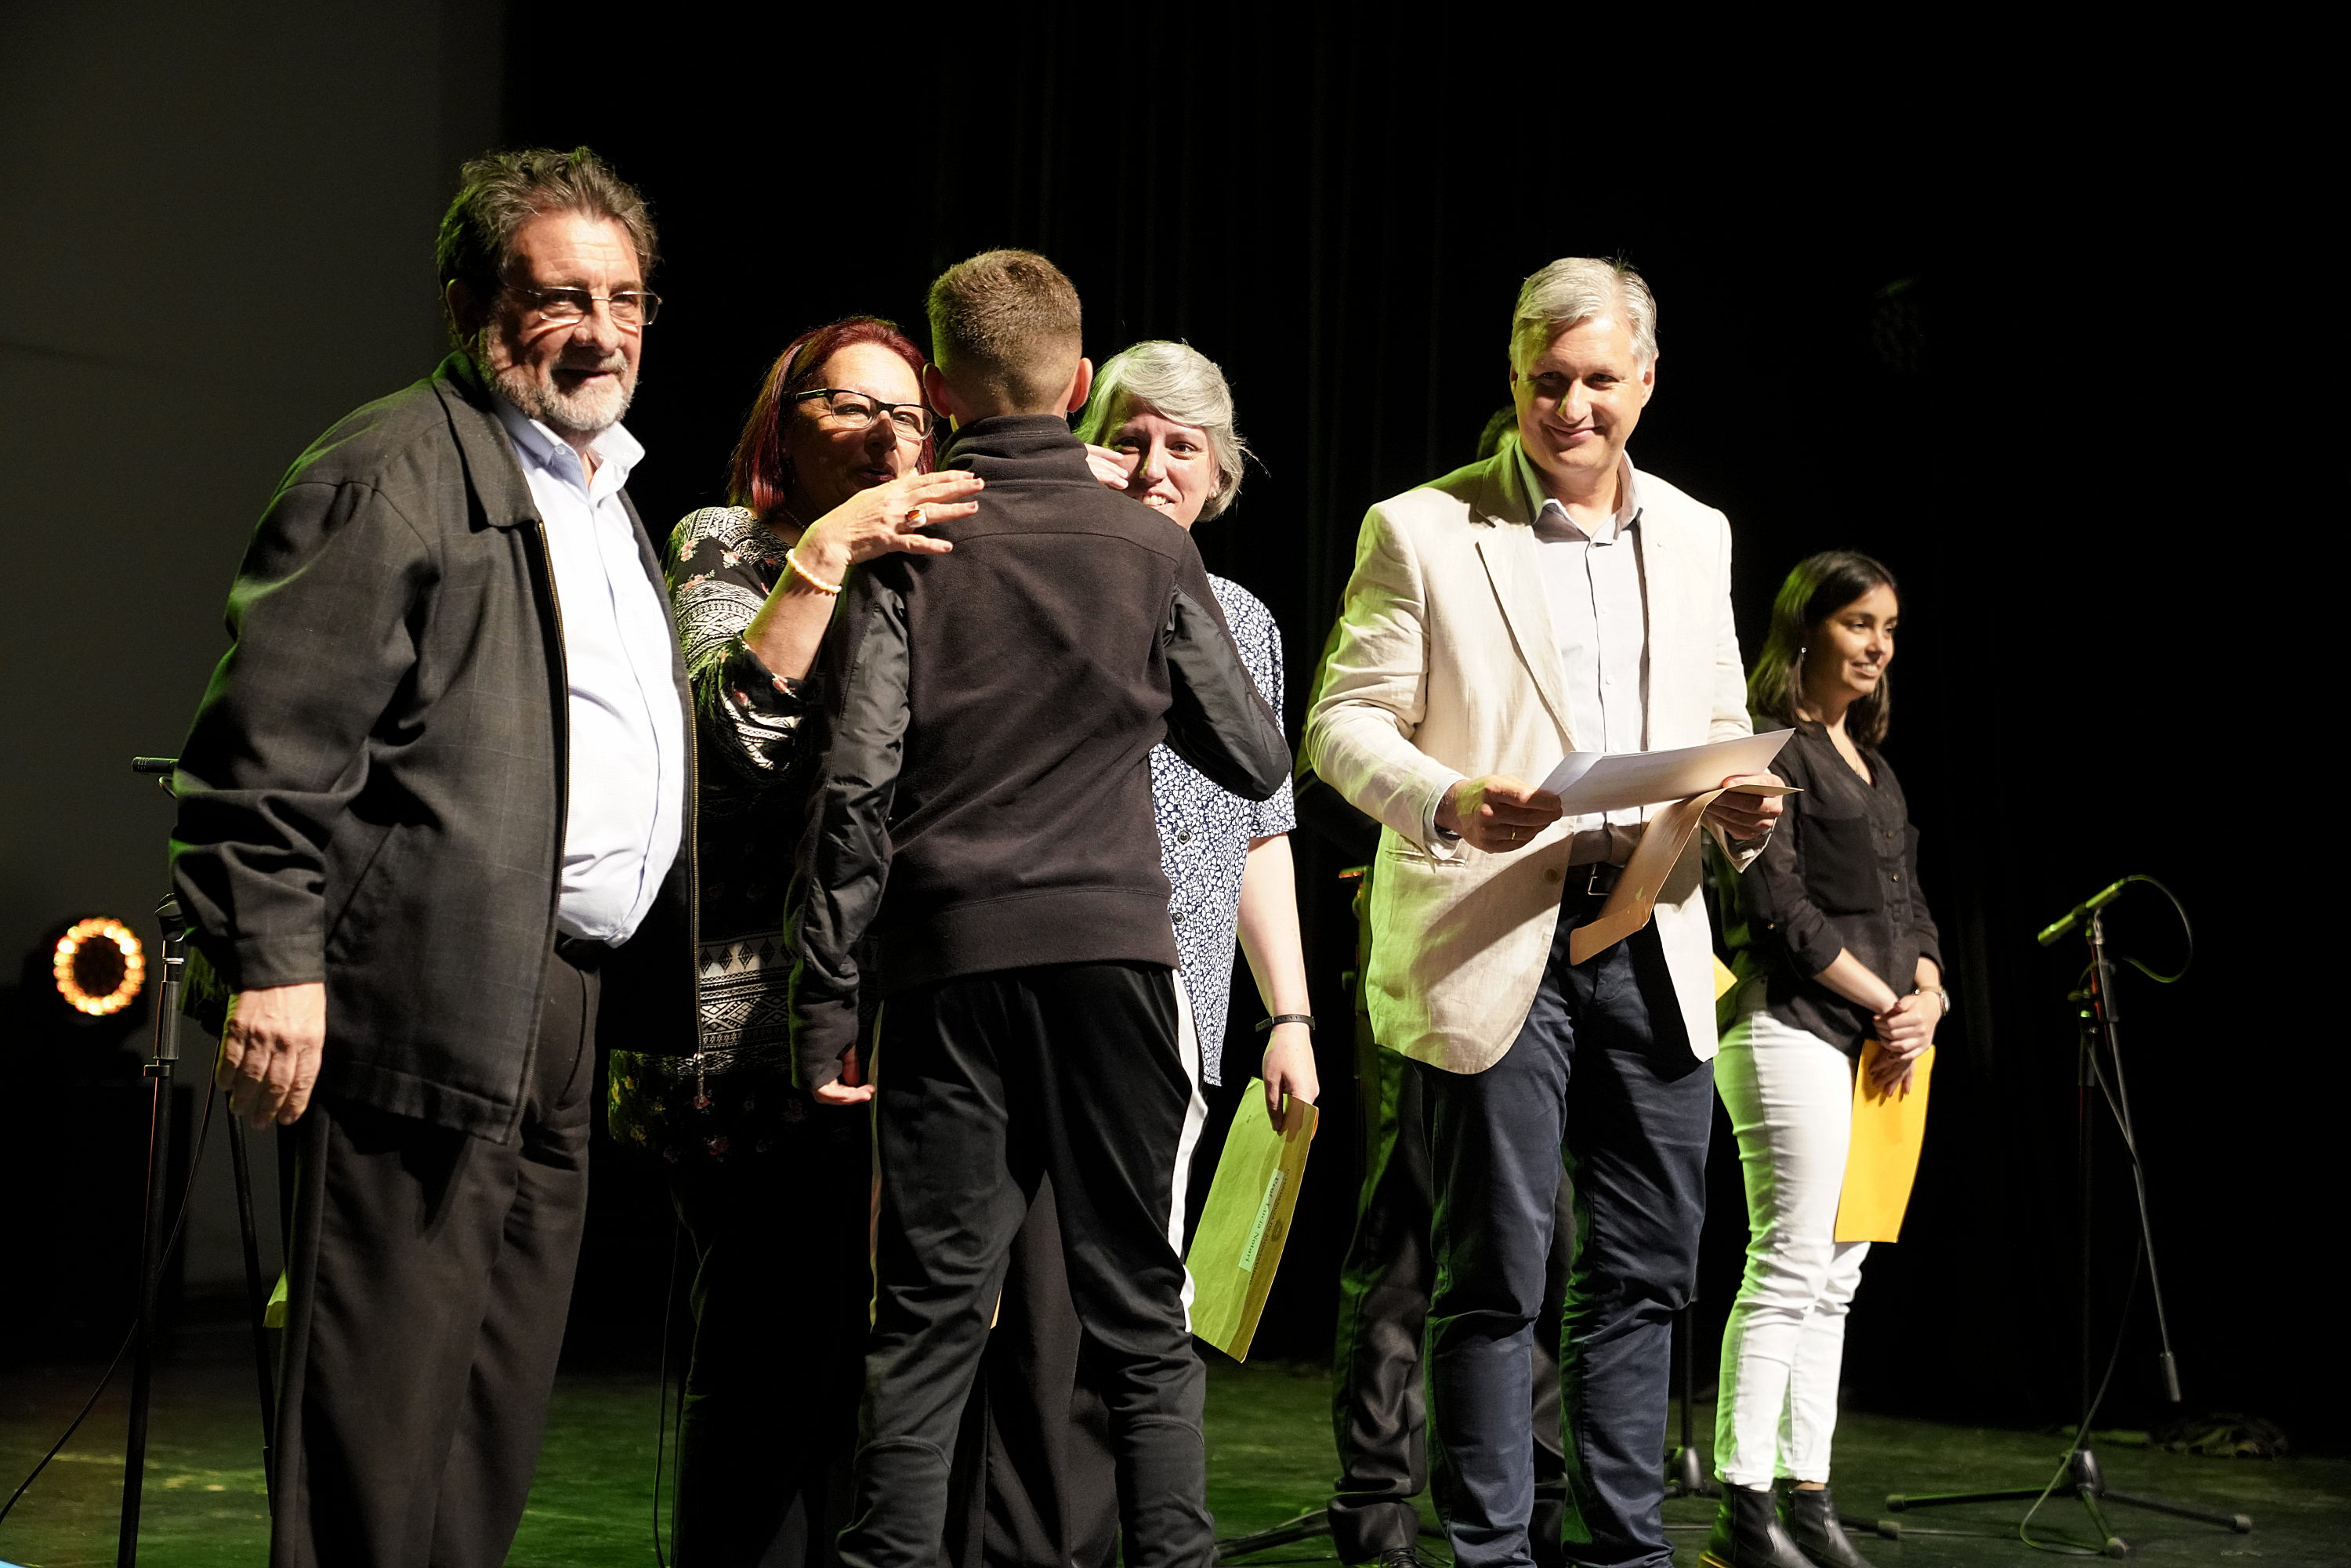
(2082, 911)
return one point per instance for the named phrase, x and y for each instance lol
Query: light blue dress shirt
(1596, 586)
(1599, 613)
(628, 739)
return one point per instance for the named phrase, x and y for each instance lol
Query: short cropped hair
(759, 474)
(1817, 588)
(1177, 381)
(1575, 289)
(498, 193)
(1005, 323)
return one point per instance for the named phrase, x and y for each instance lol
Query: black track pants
(1084, 1074)
(1036, 1456)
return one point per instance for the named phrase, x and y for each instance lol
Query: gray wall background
(216, 237)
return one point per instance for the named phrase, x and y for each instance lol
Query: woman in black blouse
(830, 471)
(1833, 947)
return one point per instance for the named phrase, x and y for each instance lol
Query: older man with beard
(429, 833)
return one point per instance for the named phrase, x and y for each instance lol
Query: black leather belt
(582, 952)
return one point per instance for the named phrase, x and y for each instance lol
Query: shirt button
(1183, 835)
(1177, 917)
(1552, 876)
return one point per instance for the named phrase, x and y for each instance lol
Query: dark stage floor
(1269, 1457)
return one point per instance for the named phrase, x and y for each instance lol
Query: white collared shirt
(627, 764)
(1599, 615)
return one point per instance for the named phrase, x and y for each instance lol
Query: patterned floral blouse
(1204, 837)
(736, 1095)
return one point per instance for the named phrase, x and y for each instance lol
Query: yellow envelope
(1882, 1161)
(1246, 1222)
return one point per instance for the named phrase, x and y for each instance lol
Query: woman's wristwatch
(1939, 995)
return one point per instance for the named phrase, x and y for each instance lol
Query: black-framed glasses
(855, 410)
(633, 307)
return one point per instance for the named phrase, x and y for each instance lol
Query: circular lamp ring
(99, 1004)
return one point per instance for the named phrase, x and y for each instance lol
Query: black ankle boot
(1748, 1534)
(1812, 1526)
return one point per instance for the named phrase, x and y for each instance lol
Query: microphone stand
(164, 1057)
(156, 1234)
(2100, 1023)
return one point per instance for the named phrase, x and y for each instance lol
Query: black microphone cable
(162, 1263)
(2082, 1431)
(660, 1422)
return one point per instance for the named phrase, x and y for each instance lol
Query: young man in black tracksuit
(981, 817)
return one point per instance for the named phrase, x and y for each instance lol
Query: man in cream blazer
(1551, 599)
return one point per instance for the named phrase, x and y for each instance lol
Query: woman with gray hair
(1179, 392)
(1160, 427)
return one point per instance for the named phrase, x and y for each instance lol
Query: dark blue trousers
(1602, 1076)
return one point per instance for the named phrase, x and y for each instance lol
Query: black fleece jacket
(982, 796)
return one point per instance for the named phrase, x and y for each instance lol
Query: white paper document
(1589, 782)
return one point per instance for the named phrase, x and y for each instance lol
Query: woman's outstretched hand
(1110, 467)
(889, 517)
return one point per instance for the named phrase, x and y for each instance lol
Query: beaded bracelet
(792, 559)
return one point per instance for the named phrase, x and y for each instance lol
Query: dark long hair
(1816, 588)
(760, 473)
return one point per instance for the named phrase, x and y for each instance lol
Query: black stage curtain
(1959, 337)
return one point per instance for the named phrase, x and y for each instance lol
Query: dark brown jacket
(372, 793)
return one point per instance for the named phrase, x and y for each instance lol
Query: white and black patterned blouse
(1205, 833)
(735, 1096)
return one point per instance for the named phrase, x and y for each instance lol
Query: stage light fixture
(100, 965)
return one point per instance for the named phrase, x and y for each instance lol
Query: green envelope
(1246, 1220)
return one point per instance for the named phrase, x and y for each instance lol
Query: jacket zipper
(563, 714)
(690, 808)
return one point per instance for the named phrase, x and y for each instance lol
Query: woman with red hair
(831, 471)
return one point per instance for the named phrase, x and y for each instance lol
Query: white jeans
(1789, 1095)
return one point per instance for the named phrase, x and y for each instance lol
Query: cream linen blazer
(1445, 663)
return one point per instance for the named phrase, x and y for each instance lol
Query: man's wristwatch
(1939, 995)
